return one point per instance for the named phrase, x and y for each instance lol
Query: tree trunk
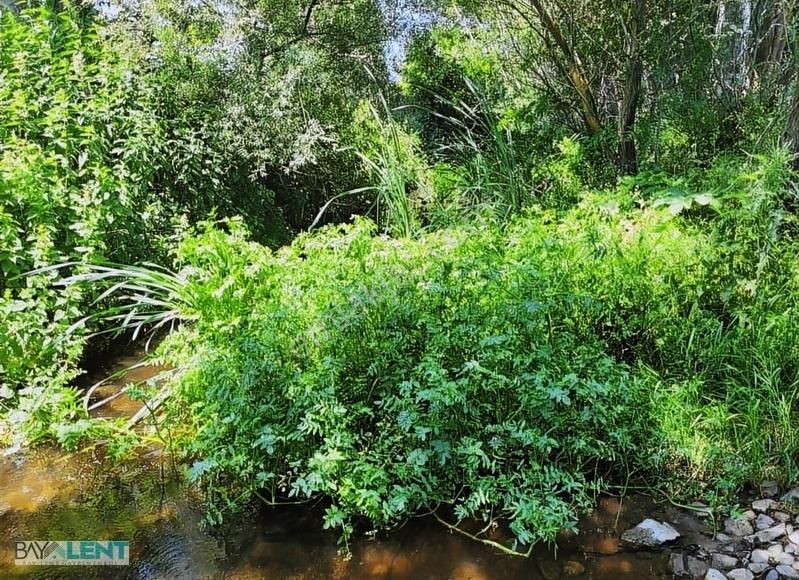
(628, 156)
(574, 68)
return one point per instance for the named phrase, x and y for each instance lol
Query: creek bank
(761, 542)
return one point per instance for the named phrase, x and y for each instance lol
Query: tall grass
(484, 149)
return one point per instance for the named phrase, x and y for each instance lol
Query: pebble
(749, 515)
(738, 527)
(794, 538)
(790, 548)
(740, 574)
(787, 571)
(781, 516)
(685, 565)
(714, 574)
(573, 568)
(785, 559)
(763, 505)
(772, 575)
(792, 496)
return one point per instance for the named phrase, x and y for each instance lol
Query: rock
(759, 556)
(723, 561)
(789, 548)
(787, 571)
(785, 559)
(573, 568)
(770, 534)
(772, 575)
(763, 505)
(757, 567)
(763, 521)
(650, 534)
(749, 515)
(794, 538)
(770, 488)
(549, 570)
(781, 517)
(690, 566)
(738, 527)
(774, 551)
(713, 574)
(722, 537)
(792, 496)
(740, 574)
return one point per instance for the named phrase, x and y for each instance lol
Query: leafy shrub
(74, 159)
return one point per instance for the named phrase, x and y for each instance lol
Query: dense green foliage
(570, 268)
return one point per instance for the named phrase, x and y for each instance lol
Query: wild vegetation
(552, 253)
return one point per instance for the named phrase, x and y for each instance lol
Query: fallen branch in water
(493, 544)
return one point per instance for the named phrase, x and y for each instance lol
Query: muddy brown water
(46, 494)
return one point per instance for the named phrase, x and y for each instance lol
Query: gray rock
(714, 574)
(787, 571)
(774, 551)
(722, 537)
(759, 556)
(781, 517)
(770, 488)
(740, 574)
(790, 548)
(650, 534)
(794, 538)
(738, 527)
(749, 515)
(785, 559)
(758, 567)
(772, 575)
(690, 566)
(723, 561)
(763, 505)
(763, 521)
(792, 496)
(770, 534)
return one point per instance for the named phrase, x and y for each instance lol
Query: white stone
(787, 571)
(785, 559)
(759, 556)
(650, 534)
(714, 574)
(774, 551)
(758, 567)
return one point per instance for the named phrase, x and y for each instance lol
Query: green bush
(75, 149)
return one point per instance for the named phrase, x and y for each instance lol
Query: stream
(47, 494)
